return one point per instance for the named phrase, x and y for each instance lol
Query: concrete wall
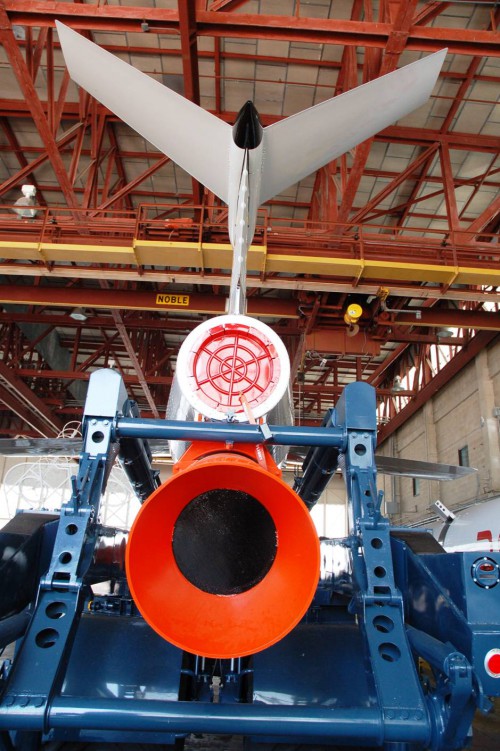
(462, 414)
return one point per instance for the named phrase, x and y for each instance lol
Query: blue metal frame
(89, 668)
(280, 435)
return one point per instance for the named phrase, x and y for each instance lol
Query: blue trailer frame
(88, 668)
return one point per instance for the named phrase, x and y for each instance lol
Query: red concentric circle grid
(231, 361)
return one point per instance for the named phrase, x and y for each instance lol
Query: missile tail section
(233, 368)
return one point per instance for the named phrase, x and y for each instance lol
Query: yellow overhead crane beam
(204, 255)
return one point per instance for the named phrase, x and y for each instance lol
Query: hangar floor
(487, 730)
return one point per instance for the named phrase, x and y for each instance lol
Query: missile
(245, 165)
(223, 559)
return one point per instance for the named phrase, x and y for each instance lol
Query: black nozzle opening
(248, 130)
(224, 541)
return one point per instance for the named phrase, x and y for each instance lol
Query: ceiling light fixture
(444, 332)
(22, 206)
(397, 385)
(78, 314)
(19, 32)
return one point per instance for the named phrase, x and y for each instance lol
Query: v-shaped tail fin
(301, 144)
(193, 138)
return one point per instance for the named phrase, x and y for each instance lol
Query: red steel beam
(49, 73)
(27, 86)
(451, 369)
(395, 183)
(138, 300)
(189, 50)
(25, 413)
(216, 5)
(165, 323)
(98, 126)
(110, 167)
(127, 189)
(218, 75)
(429, 12)
(478, 183)
(445, 127)
(486, 178)
(19, 152)
(134, 360)
(19, 394)
(324, 205)
(34, 58)
(394, 133)
(396, 43)
(489, 214)
(247, 25)
(76, 153)
(440, 317)
(273, 59)
(462, 90)
(30, 167)
(83, 375)
(61, 99)
(120, 168)
(454, 139)
(449, 188)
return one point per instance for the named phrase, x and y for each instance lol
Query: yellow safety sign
(172, 300)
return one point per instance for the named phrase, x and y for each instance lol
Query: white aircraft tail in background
(245, 164)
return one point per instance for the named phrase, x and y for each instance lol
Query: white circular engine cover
(229, 360)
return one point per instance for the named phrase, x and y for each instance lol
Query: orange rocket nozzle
(223, 558)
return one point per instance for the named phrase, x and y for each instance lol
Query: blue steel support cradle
(178, 430)
(48, 691)
(38, 670)
(376, 601)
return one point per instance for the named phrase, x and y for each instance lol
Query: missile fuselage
(246, 164)
(184, 556)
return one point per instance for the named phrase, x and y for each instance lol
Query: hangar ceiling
(406, 225)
